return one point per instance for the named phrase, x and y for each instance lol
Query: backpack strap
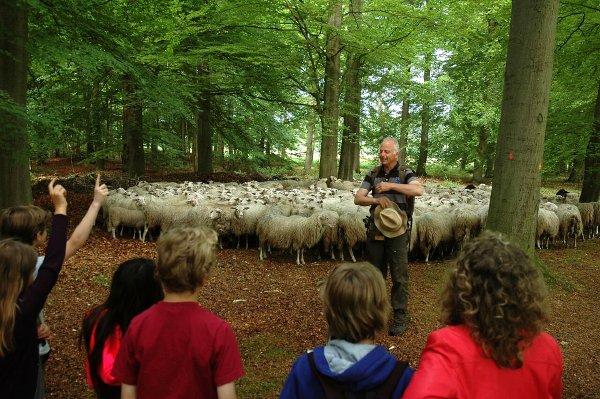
(386, 389)
(332, 388)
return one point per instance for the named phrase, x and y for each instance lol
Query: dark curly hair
(496, 291)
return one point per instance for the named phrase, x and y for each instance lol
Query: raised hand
(58, 196)
(100, 191)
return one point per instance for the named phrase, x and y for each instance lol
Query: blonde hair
(23, 223)
(497, 291)
(185, 256)
(356, 302)
(17, 262)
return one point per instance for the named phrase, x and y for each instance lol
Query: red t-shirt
(453, 366)
(178, 350)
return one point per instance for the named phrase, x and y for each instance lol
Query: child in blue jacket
(356, 307)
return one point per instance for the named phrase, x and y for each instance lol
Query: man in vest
(392, 186)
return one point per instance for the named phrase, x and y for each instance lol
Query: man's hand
(100, 191)
(43, 331)
(383, 187)
(58, 196)
(384, 202)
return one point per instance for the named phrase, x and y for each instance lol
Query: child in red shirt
(176, 348)
(493, 345)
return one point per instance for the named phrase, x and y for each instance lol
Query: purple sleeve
(32, 299)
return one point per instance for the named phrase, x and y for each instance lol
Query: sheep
(307, 232)
(118, 216)
(586, 210)
(339, 184)
(331, 233)
(245, 220)
(547, 227)
(570, 223)
(596, 206)
(434, 229)
(352, 230)
(466, 224)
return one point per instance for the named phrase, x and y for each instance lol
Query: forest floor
(276, 314)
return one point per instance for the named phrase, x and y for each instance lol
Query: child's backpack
(337, 390)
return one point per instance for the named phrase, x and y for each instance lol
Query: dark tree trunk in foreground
(14, 156)
(310, 137)
(590, 190)
(519, 155)
(423, 147)
(331, 106)
(403, 140)
(132, 129)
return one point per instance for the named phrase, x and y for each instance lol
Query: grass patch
(101, 280)
(263, 355)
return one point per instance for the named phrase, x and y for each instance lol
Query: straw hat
(390, 221)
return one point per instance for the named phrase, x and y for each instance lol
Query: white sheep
(245, 220)
(570, 224)
(466, 224)
(586, 210)
(548, 226)
(434, 230)
(352, 230)
(118, 216)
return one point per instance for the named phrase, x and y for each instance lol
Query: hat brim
(390, 233)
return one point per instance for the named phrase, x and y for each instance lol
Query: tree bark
(204, 157)
(352, 103)
(519, 155)
(403, 140)
(331, 107)
(132, 129)
(478, 170)
(310, 135)
(489, 161)
(14, 157)
(423, 147)
(351, 118)
(590, 190)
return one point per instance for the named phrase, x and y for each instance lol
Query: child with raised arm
(29, 225)
(22, 298)
(177, 348)
(351, 364)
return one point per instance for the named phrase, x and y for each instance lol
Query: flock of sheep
(299, 215)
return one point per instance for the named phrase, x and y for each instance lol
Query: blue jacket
(366, 374)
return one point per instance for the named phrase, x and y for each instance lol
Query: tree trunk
(590, 190)
(132, 129)
(220, 148)
(14, 156)
(331, 107)
(403, 140)
(204, 157)
(478, 170)
(352, 103)
(573, 170)
(519, 155)
(351, 118)
(356, 152)
(489, 161)
(423, 147)
(310, 135)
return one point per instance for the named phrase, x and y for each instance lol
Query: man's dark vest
(402, 172)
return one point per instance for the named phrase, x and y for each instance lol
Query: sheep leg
(145, 232)
(246, 241)
(342, 253)
(113, 230)
(332, 253)
(220, 243)
(427, 257)
(303, 262)
(352, 255)
(121, 231)
(298, 257)
(238, 243)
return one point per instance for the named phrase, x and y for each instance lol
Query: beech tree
(516, 186)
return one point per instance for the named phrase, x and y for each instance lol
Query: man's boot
(399, 324)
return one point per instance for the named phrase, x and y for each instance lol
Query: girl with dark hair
(133, 289)
(493, 345)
